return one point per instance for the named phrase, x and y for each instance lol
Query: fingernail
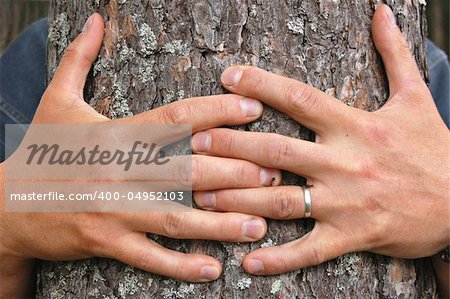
(267, 177)
(390, 16)
(255, 266)
(251, 107)
(206, 199)
(88, 24)
(201, 142)
(231, 76)
(253, 229)
(209, 273)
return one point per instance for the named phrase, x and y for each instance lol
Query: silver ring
(307, 197)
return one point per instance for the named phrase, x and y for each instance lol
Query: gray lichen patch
(183, 291)
(119, 106)
(276, 286)
(147, 71)
(105, 66)
(296, 25)
(265, 51)
(346, 271)
(58, 32)
(169, 97)
(129, 284)
(177, 47)
(180, 94)
(97, 68)
(268, 243)
(59, 291)
(253, 10)
(243, 283)
(148, 43)
(126, 54)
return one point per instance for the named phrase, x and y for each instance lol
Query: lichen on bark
(159, 51)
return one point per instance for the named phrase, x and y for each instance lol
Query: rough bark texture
(157, 51)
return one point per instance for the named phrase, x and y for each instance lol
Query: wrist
(15, 270)
(16, 277)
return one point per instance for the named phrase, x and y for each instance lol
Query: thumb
(79, 56)
(314, 248)
(399, 63)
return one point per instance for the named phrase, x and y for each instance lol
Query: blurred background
(15, 15)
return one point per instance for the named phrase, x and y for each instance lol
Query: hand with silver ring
(380, 179)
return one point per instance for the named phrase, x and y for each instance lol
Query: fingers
(199, 172)
(268, 150)
(305, 104)
(316, 247)
(198, 224)
(79, 56)
(203, 113)
(400, 65)
(137, 251)
(233, 174)
(283, 202)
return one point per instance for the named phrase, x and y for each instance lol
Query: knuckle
(241, 177)
(399, 48)
(374, 238)
(371, 205)
(226, 231)
(280, 153)
(231, 200)
(183, 174)
(315, 256)
(145, 262)
(91, 240)
(282, 264)
(300, 98)
(368, 169)
(177, 114)
(227, 142)
(73, 54)
(378, 132)
(257, 80)
(376, 235)
(181, 271)
(412, 92)
(403, 46)
(173, 225)
(282, 205)
(196, 174)
(223, 108)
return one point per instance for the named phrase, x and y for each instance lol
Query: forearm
(16, 277)
(16, 273)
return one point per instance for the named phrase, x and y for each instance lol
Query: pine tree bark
(159, 51)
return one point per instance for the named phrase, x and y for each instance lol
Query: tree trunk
(159, 51)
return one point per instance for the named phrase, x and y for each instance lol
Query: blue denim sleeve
(23, 71)
(438, 67)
